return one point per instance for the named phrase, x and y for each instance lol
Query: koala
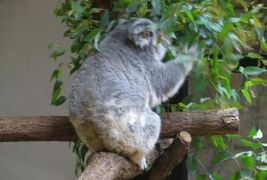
(114, 91)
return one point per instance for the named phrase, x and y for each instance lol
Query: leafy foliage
(250, 163)
(223, 33)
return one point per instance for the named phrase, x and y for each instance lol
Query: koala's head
(142, 33)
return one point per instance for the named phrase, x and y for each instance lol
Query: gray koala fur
(114, 90)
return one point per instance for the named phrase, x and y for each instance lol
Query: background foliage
(225, 31)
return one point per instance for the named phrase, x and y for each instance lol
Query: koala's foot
(140, 160)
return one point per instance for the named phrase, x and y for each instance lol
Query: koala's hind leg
(147, 136)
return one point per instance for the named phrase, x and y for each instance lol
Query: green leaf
(220, 157)
(243, 154)
(252, 70)
(202, 177)
(232, 136)
(83, 151)
(250, 144)
(57, 50)
(198, 142)
(236, 176)
(56, 99)
(96, 41)
(77, 8)
(105, 19)
(91, 35)
(248, 162)
(255, 56)
(60, 100)
(56, 89)
(218, 141)
(56, 74)
(261, 175)
(191, 163)
(246, 95)
(254, 81)
(189, 15)
(263, 168)
(156, 7)
(252, 132)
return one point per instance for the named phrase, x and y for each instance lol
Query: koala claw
(142, 164)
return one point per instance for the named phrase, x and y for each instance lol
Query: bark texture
(58, 128)
(171, 157)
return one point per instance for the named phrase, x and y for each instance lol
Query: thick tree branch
(109, 166)
(41, 128)
(58, 128)
(201, 123)
(171, 157)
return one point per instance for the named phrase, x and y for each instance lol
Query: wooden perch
(109, 166)
(58, 128)
(171, 157)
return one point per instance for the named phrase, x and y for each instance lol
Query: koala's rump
(123, 130)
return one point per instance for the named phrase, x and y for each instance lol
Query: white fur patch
(131, 117)
(142, 120)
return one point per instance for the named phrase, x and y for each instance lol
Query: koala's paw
(142, 164)
(140, 160)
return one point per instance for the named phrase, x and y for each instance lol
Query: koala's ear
(142, 33)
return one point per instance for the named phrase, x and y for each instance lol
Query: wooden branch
(171, 157)
(108, 166)
(42, 128)
(58, 128)
(201, 123)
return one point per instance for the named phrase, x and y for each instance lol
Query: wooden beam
(58, 128)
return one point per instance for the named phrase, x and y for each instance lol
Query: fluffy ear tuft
(141, 33)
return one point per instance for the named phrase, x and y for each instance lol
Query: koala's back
(108, 78)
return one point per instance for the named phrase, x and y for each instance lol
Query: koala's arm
(169, 77)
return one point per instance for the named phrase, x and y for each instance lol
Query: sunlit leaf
(56, 74)
(255, 56)
(243, 154)
(252, 70)
(96, 41)
(250, 144)
(248, 162)
(263, 168)
(246, 95)
(218, 141)
(252, 132)
(259, 135)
